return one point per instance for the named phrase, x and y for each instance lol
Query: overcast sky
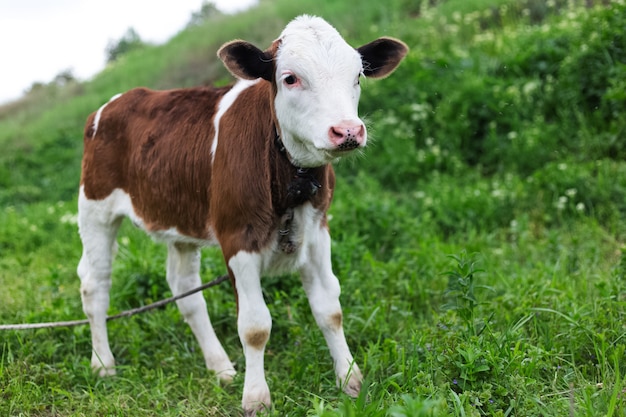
(41, 38)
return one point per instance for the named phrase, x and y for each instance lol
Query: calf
(246, 167)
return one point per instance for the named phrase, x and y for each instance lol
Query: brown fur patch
(257, 338)
(336, 320)
(155, 145)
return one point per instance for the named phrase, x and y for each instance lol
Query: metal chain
(126, 313)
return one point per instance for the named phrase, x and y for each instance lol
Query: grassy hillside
(485, 273)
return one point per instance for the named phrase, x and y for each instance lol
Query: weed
(461, 293)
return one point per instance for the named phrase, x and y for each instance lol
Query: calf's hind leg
(183, 274)
(98, 228)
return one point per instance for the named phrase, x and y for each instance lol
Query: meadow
(479, 241)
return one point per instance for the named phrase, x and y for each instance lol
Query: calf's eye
(291, 79)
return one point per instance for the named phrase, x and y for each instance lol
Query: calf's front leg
(183, 274)
(254, 325)
(322, 289)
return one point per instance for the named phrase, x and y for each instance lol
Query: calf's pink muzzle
(347, 136)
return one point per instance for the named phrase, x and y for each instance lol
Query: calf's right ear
(246, 61)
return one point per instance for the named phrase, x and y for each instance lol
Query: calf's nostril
(336, 133)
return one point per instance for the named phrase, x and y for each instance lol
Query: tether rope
(126, 313)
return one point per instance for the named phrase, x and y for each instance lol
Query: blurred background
(479, 239)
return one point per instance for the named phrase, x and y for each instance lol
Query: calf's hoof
(252, 410)
(256, 400)
(103, 371)
(226, 376)
(352, 385)
(103, 366)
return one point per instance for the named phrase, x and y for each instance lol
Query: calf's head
(315, 75)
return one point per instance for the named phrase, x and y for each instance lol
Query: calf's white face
(316, 75)
(317, 78)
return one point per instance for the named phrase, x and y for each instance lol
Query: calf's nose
(347, 136)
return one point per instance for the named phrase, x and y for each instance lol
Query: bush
(514, 99)
(129, 42)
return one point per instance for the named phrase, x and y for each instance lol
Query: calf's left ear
(382, 56)
(246, 61)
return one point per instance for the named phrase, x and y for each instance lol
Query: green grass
(479, 241)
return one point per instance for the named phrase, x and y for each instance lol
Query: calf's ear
(246, 61)
(382, 56)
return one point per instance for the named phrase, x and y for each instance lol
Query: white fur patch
(225, 103)
(118, 204)
(305, 232)
(96, 120)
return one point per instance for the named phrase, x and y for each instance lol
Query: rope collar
(304, 185)
(302, 188)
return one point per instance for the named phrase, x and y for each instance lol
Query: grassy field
(480, 242)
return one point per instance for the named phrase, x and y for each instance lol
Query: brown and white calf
(246, 167)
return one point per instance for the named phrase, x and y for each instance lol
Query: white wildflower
(529, 87)
(69, 218)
